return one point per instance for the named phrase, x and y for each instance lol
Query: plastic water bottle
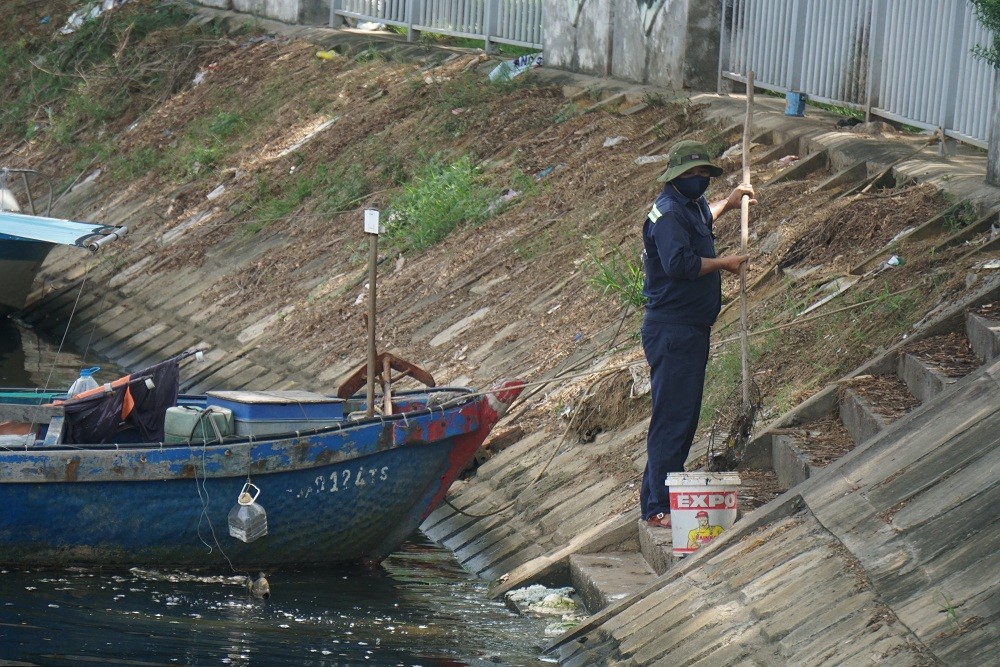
(85, 382)
(247, 519)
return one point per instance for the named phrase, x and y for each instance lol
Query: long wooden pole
(372, 265)
(744, 237)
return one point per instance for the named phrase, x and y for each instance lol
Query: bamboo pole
(744, 236)
(372, 271)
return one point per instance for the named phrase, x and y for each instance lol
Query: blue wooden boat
(350, 489)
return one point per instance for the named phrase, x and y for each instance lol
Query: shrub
(438, 199)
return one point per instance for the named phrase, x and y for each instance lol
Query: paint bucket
(795, 104)
(702, 507)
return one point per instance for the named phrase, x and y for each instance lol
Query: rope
(613, 369)
(552, 456)
(62, 342)
(203, 485)
(758, 332)
(93, 329)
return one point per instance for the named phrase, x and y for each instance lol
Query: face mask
(691, 187)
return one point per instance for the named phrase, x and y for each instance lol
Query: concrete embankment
(879, 557)
(885, 548)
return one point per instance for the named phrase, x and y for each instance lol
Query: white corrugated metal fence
(905, 60)
(517, 22)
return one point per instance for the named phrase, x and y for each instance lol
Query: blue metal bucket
(795, 104)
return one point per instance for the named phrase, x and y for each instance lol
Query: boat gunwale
(456, 403)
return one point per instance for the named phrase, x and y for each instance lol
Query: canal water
(419, 608)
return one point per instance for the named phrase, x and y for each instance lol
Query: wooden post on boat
(372, 229)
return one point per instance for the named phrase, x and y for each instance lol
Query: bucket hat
(683, 156)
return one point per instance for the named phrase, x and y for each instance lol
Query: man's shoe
(661, 520)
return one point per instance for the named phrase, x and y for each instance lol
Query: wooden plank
(535, 569)
(54, 435)
(29, 414)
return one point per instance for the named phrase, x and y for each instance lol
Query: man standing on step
(683, 290)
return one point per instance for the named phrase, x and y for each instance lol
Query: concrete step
(923, 381)
(657, 547)
(870, 403)
(983, 329)
(933, 364)
(797, 453)
(601, 579)
(757, 488)
(791, 465)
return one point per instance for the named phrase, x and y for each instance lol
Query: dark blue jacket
(677, 233)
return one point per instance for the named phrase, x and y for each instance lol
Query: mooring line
(62, 342)
(758, 332)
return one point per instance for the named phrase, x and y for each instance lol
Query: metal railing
(515, 22)
(908, 61)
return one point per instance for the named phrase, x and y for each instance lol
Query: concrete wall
(286, 11)
(564, 22)
(672, 43)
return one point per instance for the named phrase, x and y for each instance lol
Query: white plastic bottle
(85, 382)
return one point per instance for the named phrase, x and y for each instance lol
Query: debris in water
(259, 588)
(542, 602)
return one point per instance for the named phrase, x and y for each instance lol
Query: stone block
(923, 381)
(656, 545)
(602, 579)
(789, 464)
(859, 418)
(983, 335)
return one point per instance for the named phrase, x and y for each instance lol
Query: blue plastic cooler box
(266, 413)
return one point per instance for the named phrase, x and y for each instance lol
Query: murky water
(419, 608)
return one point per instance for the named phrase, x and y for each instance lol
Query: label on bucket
(702, 507)
(706, 500)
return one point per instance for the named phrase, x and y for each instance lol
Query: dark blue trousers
(677, 356)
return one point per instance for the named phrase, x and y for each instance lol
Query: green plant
(620, 276)
(565, 112)
(341, 187)
(959, 217)
(948, 608)
(88, 77)
(534, 246)
(900, 306)
(440, 197)
(655, 99)
(225, 124)
(369, 54)
(847, 112)
(135, 164)
(523, 184)
(724, 371)
(275, 201)
(784, 398)
(988, 13)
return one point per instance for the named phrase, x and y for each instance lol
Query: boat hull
(331, 496)
(20, 261)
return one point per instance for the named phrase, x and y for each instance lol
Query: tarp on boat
(55, 230)
(97, 415)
